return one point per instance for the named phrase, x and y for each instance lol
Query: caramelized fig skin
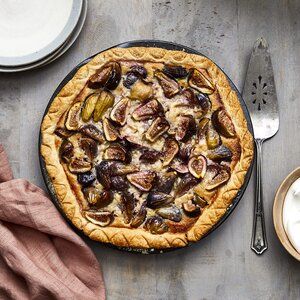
(170, 86)
(158, 127)
(158, 199)
(86, 179)
(223, 124)
(103, 172)
(66, 150)
(191, 209)
(172, 213)
(175, 71)
(156, 225)
(139, 217)
(187, 182)
(92, 132)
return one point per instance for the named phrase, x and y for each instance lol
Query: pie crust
(67, 188)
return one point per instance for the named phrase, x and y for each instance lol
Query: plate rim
(59, 40)
(168, 46)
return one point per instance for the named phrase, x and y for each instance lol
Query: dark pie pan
(144, 43)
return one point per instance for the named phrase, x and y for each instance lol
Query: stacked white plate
(34, 33)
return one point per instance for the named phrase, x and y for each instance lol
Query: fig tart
(146, 147)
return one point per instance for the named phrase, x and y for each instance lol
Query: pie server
(260, 96)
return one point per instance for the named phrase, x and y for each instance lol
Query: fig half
(171, 148)
(147, 111)
(120, 111)
(223, 124)
(199, 80)
(142, 180)
(101, 218)
(105, 100)
(72, 121)
(197, 166)
(158, 127)
(170, 86)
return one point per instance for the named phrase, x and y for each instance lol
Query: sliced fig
(122, 169)
(203, 127)
(175, 71)
(158, 127)
(156, 225)
(158, 199)
(165, 182)
(66, 150)
(202, 193)
(141, 90)
(101, 218)
(72, 121)
(96, 198)
(204, 102)
(191, 209)
(86, 179)
(148, 110)
(197, 166)
(139, 217)
(103, 172)
(220, 153)
(150, 155)
(186, 183)
(199, 80)
(142, 180)
(104, 102)
(92, 132)
(187, 98)
(213, 139)
(139, 70)
(63, 133)
(115, 152)
(171, 148)
(179, 166)
(185, 151)
(120, 111)
(127, 206)
(119, 183)
(90, 147)
(220, 178)
(130, 79)
(200, 201)
(89, 107)
(110, 132)
(107, 76)
(79, 165)
(186, 128)
(172, 213)
(223, 124)
(170, 86)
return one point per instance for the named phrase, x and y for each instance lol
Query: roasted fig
(165, 182)
(158, 127)
(122, 169)
(101, 218)
(107, 76)
(202, 127)
(204, 194)
(104, 101)
(89, 106)
(120, 111)
(191, 209)
(142, 180)
(79, 165)
(175, 71)
(139, 70)
(204, 103)
(156, 225)
(127, 206)
(185, 184)
(170, 86)
(220, 153)
(200, 201)
(186, 128)
(172, 213)
(141, 90)
(199, 80)
(130, 79)
(187, 98)
(119, 183)
(90, 147)
(139, 217)
(148, 110)
(197, 166)
(115, 152)
(213, 139)
(150, 155)
(158, 199)
(63, 133)
(103, 172)
(179, 166)
(171, 148)
(223, 124)
(86, 179)
(66, 150)
(96, 198)
(110, 132)
(92, 132)
(72, 121)
(220, 178)
(185, 151)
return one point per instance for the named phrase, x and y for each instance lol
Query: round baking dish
(168, 46)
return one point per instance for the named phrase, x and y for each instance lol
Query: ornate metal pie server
(260, 96)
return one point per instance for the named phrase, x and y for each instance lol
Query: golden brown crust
(139, 238)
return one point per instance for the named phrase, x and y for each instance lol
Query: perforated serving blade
(260, 96)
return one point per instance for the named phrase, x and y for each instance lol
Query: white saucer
(58, 52)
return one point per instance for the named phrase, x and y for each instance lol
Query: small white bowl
(277, 212)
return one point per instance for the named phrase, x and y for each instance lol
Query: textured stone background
(222, 266)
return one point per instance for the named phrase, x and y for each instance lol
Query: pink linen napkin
(40, 256)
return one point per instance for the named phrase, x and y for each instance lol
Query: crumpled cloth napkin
(40, 256)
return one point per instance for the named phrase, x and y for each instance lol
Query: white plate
(56, 54)
(31, 30)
